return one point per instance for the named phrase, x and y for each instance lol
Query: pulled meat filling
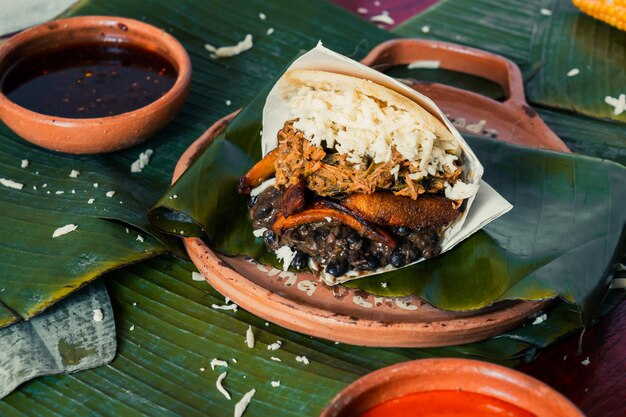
(346, 216)
(330, 174)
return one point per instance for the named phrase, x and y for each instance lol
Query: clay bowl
(473, 376)
(104, 134)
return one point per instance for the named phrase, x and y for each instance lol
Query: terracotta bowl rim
(181, 61)
(380, 379)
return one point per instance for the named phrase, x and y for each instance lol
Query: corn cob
(612, 12)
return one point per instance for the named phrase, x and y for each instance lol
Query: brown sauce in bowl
(89, 80)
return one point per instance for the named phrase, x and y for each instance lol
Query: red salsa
(88, 80)
(446, 404)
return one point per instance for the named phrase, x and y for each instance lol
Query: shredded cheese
(383, 18)
(250, 337)
(241, 406)
(196, 276)
(359, 126)
(74, 173)
(218, 362)
(63, 230)
(11, 184)
(427, 64)
(24, 163)
(229, 51)
(275, 384)
(142, 161)
(286, 255)
(219, 386)
(302, 359)
(275, 346)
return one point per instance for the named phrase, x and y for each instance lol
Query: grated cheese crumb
(74, 173)
(361, 10)
(250, 338)
(259, 232)
(383, 18)
(274, 358)
(110, 194)
(427, 64)
(275, 384)
(97, 315)
(586, 362)
(234, 360)
(269, 31)
(24, 163)
(95, 185)
(217, 362)
(11, 184)
(540, 319)
(140, 238)
(383, 284)
(573, 72)
(618, 103)
(275, 346)
(219, 386)
(196, 276)
(262, 16)
(142, 161)
(229, 51)
(228, 102)
(546, 12)
(425, 29)
(59, 192)
(302, 359)
(91, 201)
(232, 307)
(241, 406)
(202, 369)
(286, 255)
(63, 230)
(132, 327)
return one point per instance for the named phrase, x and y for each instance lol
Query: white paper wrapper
(485, 206)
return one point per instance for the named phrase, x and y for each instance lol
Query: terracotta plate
(300, 302)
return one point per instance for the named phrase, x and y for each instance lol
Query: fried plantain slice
(387, 209)
(324, 214)
(261, 171)
(293, 199)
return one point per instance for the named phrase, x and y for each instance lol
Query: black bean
(252, 201)
(397, 258)
(300, 260)
(321, 234)
(264, 211)
(353, 238)
(402, 231)
(269, 237)
(371, 263)
(337, 268)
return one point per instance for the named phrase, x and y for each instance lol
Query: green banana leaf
(168, 334)
(546, 47)
(37, 270)
(562, 238)
(64, 339)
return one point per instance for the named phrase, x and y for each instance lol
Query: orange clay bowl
(104, 134)
(447, 374)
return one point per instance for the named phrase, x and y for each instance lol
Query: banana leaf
(35, 270)
(168, 334)
(546, 47)
(66, 338)
(562, 238)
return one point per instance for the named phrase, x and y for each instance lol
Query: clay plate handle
(515, 120)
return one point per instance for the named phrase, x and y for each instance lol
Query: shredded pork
(330, 174)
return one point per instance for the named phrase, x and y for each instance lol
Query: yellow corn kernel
(612, 12)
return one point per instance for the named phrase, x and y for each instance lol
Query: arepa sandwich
(358, 179)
